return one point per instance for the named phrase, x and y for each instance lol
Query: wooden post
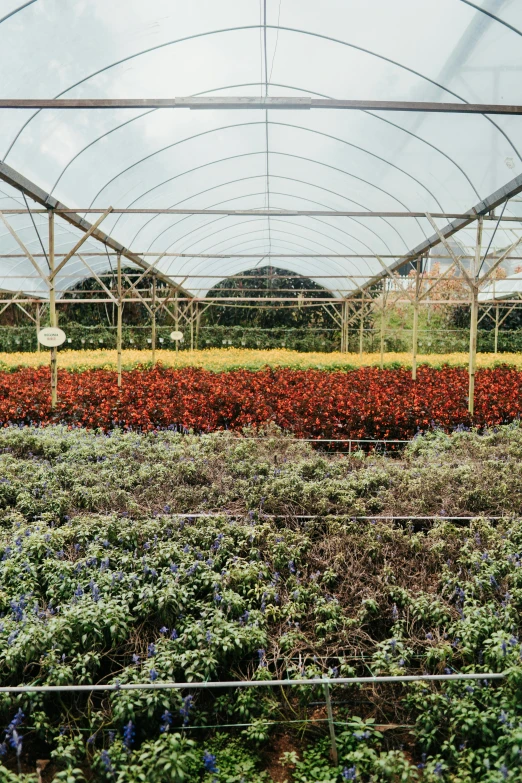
(153, 333)
(331, 725)
(474, 320)
(343, 327)
(52, 313)
(361, 327)
(37, 322)
(192, 325)
(176, 318)
(120, 321)
(198, 321)
(384, 295)
(496, 328)
(415, 336)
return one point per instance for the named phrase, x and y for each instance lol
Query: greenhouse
(260, 391)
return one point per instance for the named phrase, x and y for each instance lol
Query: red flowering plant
(363, 403)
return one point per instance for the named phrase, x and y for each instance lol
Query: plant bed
(158, 557)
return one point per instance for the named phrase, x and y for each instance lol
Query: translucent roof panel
(448, 51)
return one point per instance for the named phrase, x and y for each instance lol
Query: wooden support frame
(80, 242)
(53, 317)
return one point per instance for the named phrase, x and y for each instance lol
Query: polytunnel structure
(199, 140)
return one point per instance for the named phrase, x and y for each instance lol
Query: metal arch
(250, 195)
(307, 228)
(290, 222)
(315, 231)
(275, 176)
(285, 154)
(256, 122)
(233, 226)
(308, 160)
(92, 143)
(242, 265)
(257, 27)
(361, 149)
(249, 233)
(272, 84)
(286, 222)
(317, 274)
(16, 10)
(290, 179)
(183, 270)
(170, 146)
(492, 16)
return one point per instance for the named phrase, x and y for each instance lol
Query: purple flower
(349, 773)
(151, 650)
(184, 710)
(153, 674)
(128, 735)
(166, 720)
(163, 629)
(209, 762)
(173, 634)
(106, 761)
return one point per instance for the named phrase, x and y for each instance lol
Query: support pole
(496, 328)
(343, 327)
(198, 321)
(176, 318)
(153, 333)
(474, 320)
(361, 327)
(331, 726)
(415, 336)
(52, 313)
(119, 321)
(37, 323)
(192, 326)
(384, 294)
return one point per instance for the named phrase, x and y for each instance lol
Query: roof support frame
(33, 191)
(263, 103)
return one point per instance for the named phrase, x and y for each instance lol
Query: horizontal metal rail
(261, 212)
(155, 686)
(306, 103)
(374, 518)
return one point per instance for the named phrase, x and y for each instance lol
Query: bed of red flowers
(362, 403)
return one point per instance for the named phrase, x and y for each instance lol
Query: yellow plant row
(219, 359)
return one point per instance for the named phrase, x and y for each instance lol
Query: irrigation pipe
(286, 515)
(154, 686)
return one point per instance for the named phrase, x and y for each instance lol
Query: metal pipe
(152, 686)
(247, 102)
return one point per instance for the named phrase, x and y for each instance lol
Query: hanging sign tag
(51, 336)
(176, 335)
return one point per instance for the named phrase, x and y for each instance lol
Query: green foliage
(131, 558)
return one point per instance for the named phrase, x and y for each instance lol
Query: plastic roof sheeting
(451, 51)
